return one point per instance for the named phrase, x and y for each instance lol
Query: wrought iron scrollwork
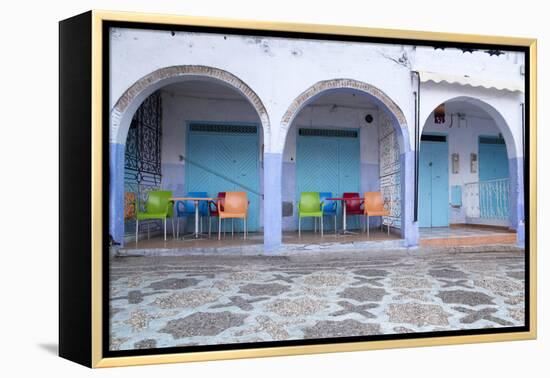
(142, 168)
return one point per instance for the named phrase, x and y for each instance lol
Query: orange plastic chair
(374, 207)
(235, 206)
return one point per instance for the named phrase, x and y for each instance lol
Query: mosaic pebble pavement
(196, 300)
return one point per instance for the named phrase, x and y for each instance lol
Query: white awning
(509, 85)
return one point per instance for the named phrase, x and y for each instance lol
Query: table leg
(196, 219)
(344, 224)
(344, 221)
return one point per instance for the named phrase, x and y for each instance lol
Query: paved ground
(187, 300)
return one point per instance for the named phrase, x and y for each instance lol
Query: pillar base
(273, 212)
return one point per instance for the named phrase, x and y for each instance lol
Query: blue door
(493, 172)
(224, 158)
(327, 161)
(493, 159)
(434, 182)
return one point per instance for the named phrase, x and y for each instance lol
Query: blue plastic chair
(185, 209)
(329, 207)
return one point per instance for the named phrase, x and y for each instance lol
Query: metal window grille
(335, 133)
(221, 128)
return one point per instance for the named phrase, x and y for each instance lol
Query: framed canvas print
(235, 189)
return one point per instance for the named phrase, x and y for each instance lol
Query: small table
(196, 200)
(343, 200)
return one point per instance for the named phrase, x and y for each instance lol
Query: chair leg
(299, 227)
(219, 228)
(335, 225)
(173, 229)
(209, 225)
(368, 227)
(321, 226)
(388, 228)
(164, 228)
(137, 229)
(314, 225)
(232, 227)
(244, 221)
(148, 230)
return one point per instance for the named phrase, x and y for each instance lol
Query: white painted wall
(178, 109)
(502, 106)
(279, 69)
(463, 139)
(323, 117)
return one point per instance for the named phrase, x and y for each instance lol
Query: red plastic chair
(354, 207)
(214, 211)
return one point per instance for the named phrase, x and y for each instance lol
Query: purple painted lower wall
(273, 214)
(116, 191)
(517, 201)
(409, 228)
(289, 195)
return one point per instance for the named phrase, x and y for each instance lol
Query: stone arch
(493, 112)
(127, 104)
(320, 87)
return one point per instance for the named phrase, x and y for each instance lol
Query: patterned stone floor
(195, 300)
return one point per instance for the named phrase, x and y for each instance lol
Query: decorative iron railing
(142, 168)
(487, 199)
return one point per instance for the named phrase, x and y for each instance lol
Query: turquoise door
(328, 164)
(434, 182)
(224, 158)
(493, 170)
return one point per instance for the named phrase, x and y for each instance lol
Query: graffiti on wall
(390, 169)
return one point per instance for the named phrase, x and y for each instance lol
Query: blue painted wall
(409, 228)
(517, 200)
(272, 203)
(116, 191)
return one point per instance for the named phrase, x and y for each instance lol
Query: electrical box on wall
(455, 163)
(473, 163)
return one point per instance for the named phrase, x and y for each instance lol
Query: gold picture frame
(91, 267)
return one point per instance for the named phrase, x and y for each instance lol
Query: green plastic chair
(310, 205)
(158, 206)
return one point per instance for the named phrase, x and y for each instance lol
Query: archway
(468, 145)
(131, 100)
(388, 172)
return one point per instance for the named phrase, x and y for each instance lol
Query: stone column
(116, 191)
(409, 228)
(517, 203)
(273, 213)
